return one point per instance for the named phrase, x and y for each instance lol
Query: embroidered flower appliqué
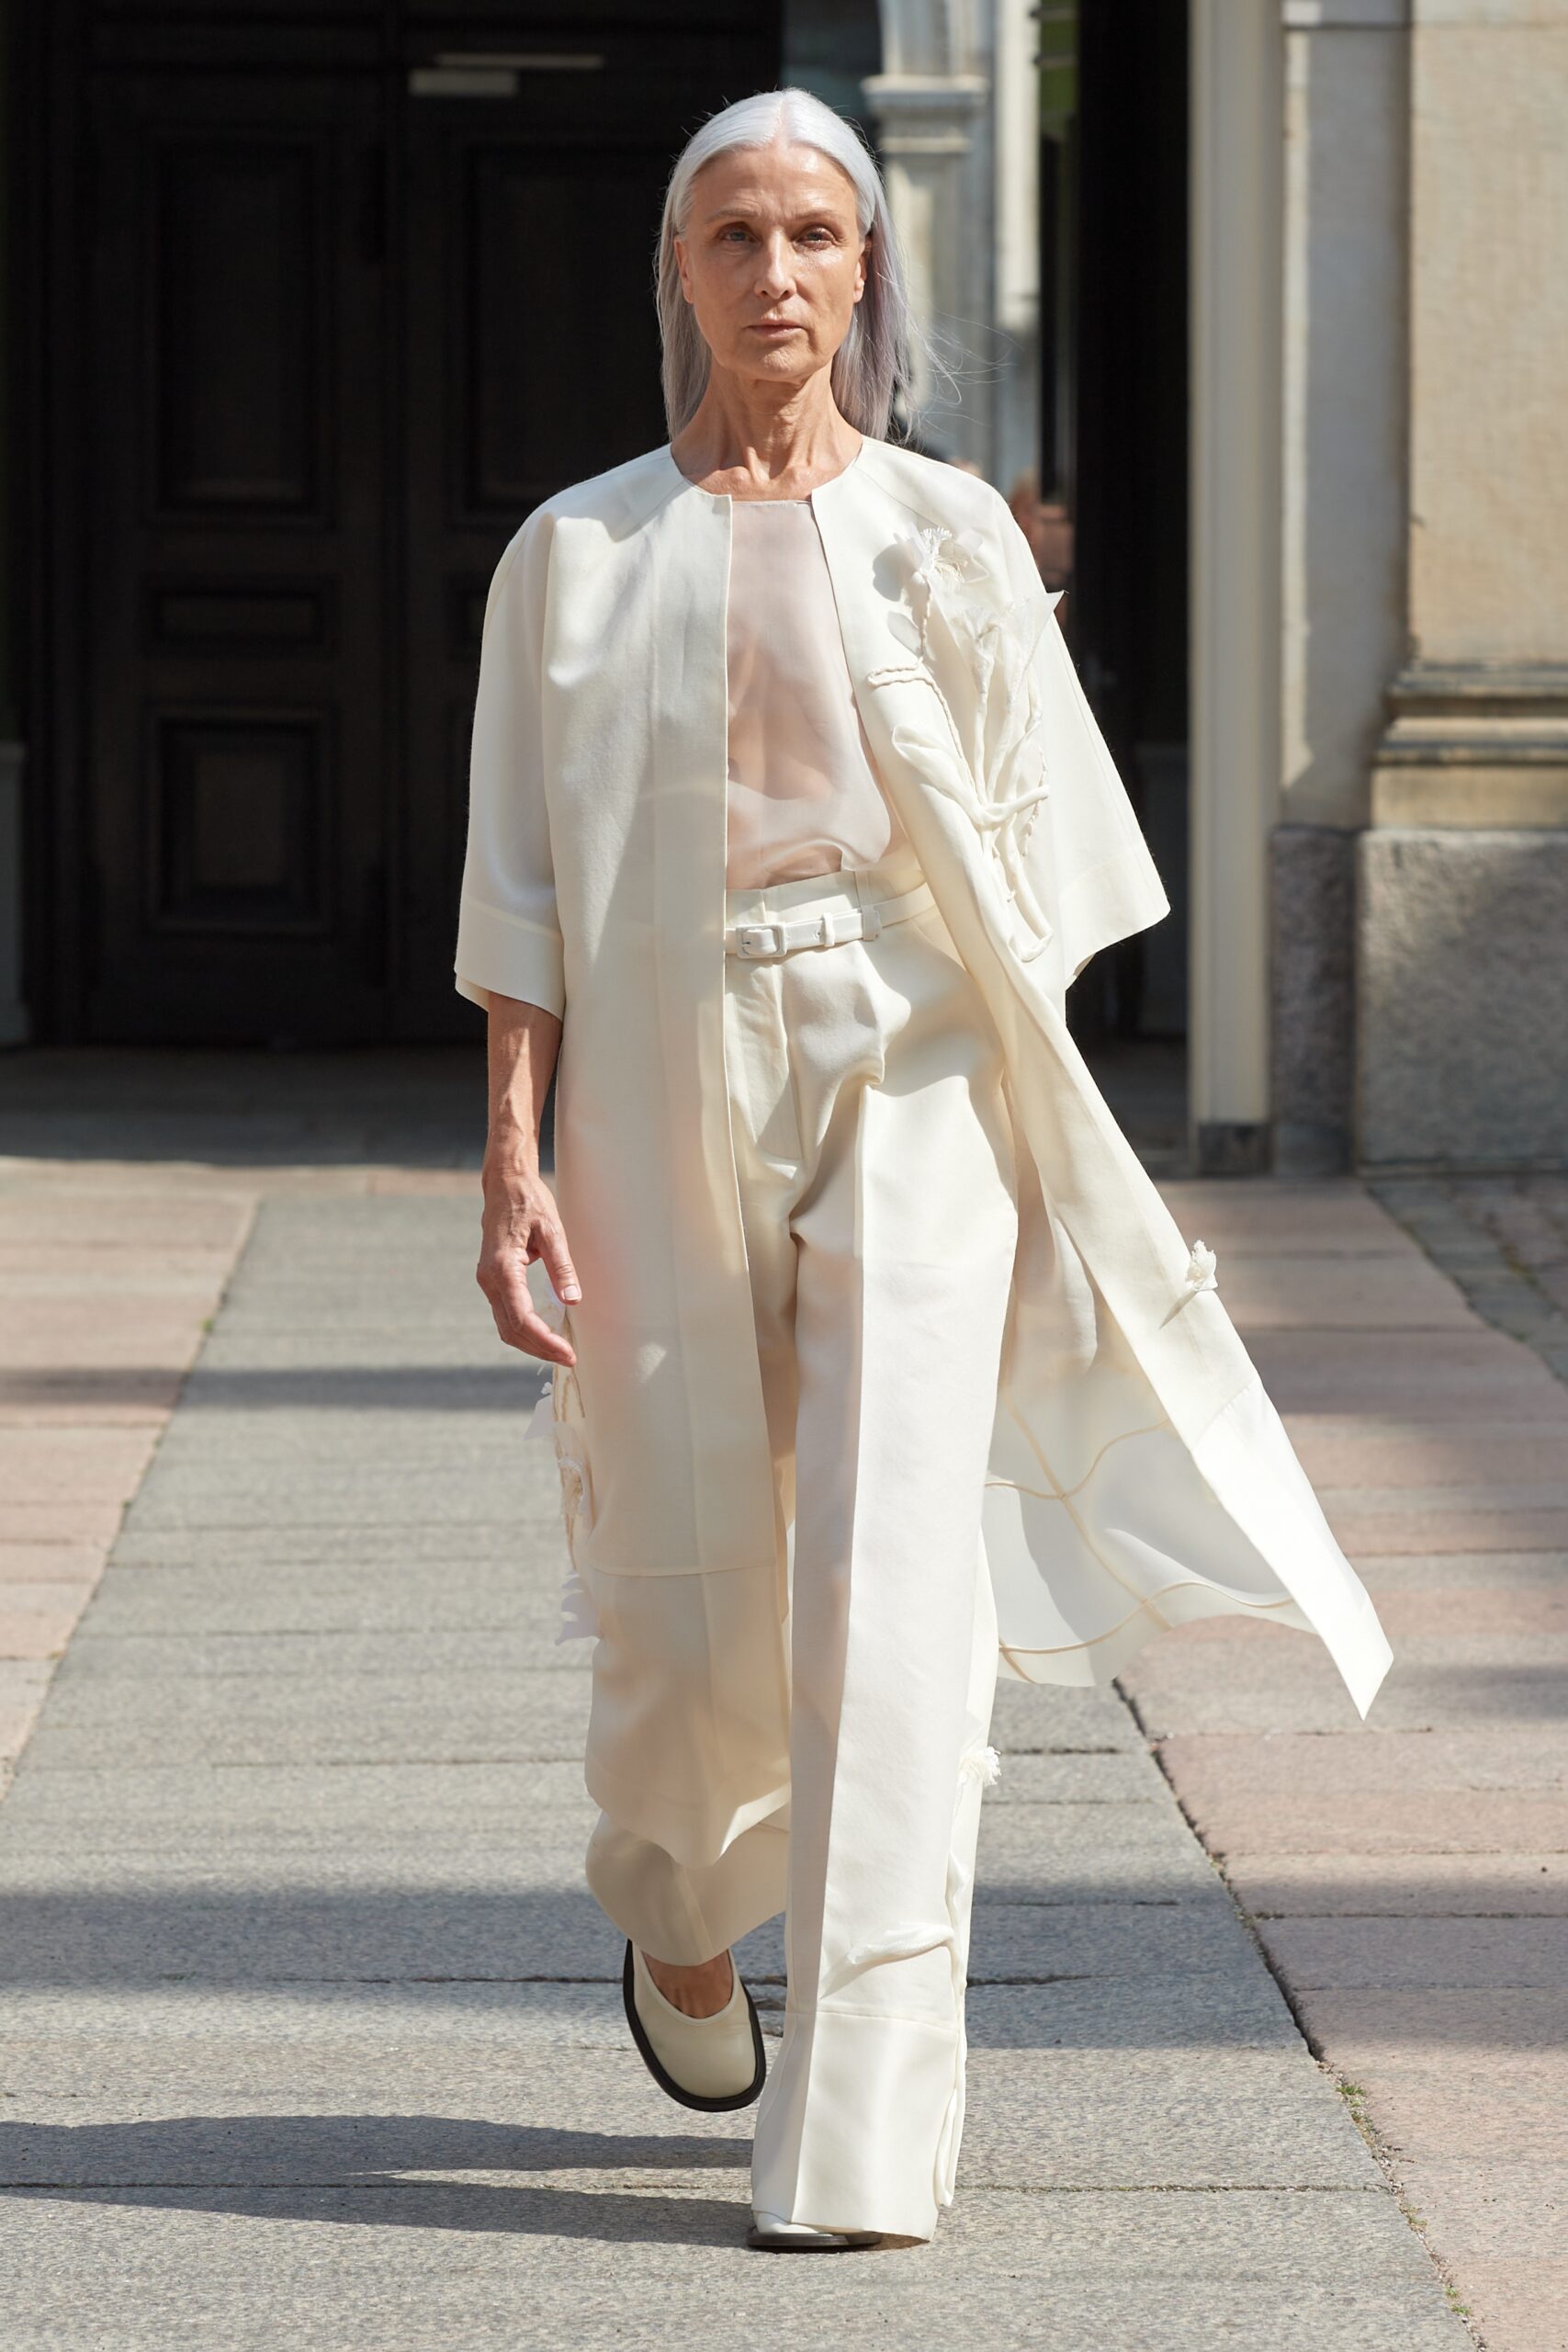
(976, 650)
(938, 558)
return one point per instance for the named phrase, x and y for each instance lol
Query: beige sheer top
(805, 797)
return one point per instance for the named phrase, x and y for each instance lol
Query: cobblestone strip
(1504, 1239)
(108, 1281)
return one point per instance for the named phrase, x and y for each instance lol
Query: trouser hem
(857, 2126)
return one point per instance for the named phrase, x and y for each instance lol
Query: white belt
(757, 942)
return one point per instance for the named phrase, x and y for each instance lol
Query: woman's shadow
(375, 2170)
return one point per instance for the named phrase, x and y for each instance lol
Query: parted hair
(872, 364)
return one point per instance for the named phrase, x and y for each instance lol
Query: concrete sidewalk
(313, 2036)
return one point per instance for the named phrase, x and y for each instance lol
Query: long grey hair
(873, 363)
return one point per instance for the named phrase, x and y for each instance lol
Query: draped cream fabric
(803, 798)
(1139, 1473)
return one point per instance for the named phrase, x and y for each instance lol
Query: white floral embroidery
(961, 623)
(939, 557)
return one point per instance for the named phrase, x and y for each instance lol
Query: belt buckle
(758, 940)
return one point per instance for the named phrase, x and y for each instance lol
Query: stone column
(1463, 923)
(1237, 111)
(932, 128)
(1016, 127)
(1344, 521)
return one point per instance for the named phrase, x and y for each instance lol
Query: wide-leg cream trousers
(816, 1732)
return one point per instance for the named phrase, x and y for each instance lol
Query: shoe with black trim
(712, 2064)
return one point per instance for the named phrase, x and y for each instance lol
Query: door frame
(46, 521)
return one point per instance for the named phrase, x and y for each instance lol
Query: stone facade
(957, 122)
(1424, 585)
(1462, 980)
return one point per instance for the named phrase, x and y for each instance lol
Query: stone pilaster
(1463, 881)
(1344, 417)
(927, 126)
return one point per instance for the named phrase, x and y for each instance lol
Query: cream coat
(1140, 1475)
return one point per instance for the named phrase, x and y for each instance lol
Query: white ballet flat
(707, 2063)
(770, 2233)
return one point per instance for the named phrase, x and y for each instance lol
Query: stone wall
(1462, 944)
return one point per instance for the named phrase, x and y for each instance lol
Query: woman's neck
(746, 450)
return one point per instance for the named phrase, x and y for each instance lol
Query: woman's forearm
(521, 1220)
(524, 1042)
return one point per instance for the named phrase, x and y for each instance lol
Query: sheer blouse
(805, 797)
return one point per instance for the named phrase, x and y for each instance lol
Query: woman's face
(773, 260)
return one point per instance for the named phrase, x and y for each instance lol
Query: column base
(1463, 996)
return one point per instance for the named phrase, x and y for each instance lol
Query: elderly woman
(878, 1358)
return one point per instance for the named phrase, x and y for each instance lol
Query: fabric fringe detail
(578, 1621)
(982, 1764)
(1201, 1268)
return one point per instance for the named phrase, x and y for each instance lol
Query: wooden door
(355, 284)
(235, 607)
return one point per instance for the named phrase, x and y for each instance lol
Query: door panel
(235, 590)
(236, 243)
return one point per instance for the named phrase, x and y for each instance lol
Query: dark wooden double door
(348, 313)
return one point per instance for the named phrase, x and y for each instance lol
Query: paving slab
(197, 1813)
(1460, 1376)
(1520, 2101)
(1464, 2025)
(252, 2028)
(522, 1934)
(1406, 1886)
(1367, 1762)
(1444, 1822)
(1415, 1453)
(1362, 1291)
(1337, 1217)
(1495, 1573)
(1076, 2119)
(1449, 1681)
(1310, 1953)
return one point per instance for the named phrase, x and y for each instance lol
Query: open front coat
(1140, 1476)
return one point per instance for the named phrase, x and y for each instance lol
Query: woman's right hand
(521, 1222)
